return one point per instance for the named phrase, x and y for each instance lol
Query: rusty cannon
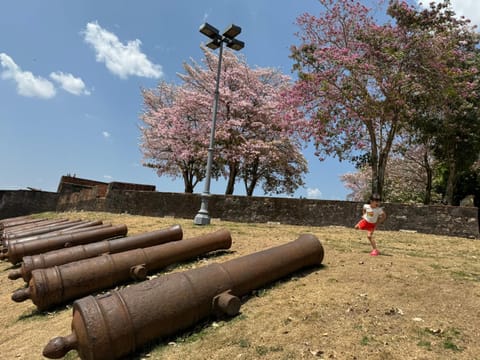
(55, 285)
(91, 225)
(13, 220)
(88, 225)
(43, 229)
(80, 252)
(8, 243)
(14, 252)
(116, 324)
(29, 226)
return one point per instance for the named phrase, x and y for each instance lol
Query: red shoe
(374, 252)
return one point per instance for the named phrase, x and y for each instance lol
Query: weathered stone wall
(23, 202)
(441, 220)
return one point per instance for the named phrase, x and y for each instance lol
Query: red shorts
(365, 225)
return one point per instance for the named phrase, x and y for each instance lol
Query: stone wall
(441, 220)
(23, 202)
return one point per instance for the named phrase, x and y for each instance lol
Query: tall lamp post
(217, 41)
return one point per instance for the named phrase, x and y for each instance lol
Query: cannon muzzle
(80, 252)
(114, 325)
(55, 285)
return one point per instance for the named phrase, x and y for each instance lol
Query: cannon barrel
(14, 219)
(91, 225)
(34, 224)
(14, 252)
(8, 222)
(55, 285)
(43, 229)
(116, 324)
(80, 252)
(6, 244)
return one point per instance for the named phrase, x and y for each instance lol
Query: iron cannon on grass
(58, 284)
(80, 252)
(114, 325)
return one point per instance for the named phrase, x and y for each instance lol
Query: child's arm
(382, 217)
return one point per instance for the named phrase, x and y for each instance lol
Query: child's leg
(358, 225)
(370, 238)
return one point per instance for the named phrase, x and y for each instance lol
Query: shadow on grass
(35, 314)
(12, 267)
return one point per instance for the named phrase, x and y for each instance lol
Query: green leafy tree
(447, 92)
(361, 84)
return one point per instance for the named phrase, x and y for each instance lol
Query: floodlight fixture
(209, 31)
(232, 31)
(214, 44)
(235, 44)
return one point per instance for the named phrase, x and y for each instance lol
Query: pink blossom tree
(448, 80)
(360, 83)
(251, 143)
(174, 133)
(250, 138)
(409, 175)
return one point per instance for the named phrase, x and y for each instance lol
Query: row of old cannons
(73, 264)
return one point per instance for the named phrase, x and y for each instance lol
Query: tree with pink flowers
(361, 83)
(447, 95)
(173, 134)
(251, 143)
(409, 177)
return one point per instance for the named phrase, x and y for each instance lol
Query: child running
(372, 215)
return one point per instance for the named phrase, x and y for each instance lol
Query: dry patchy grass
(418, 300)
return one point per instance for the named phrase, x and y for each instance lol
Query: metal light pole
(217, 41)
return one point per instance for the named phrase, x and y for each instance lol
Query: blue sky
(71, 74)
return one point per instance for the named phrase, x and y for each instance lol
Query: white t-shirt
(372, 214)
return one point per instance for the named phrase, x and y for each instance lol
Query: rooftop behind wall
(115, 185)
(72, 184)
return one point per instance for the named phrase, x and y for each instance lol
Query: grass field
(420, 299)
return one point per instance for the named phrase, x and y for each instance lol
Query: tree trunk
(232, 175)
(427, 199)
(253, 171)
(250, 188)
(452, 174)
(380, 155)
(382, 165)
(188, 186)
(374, 159)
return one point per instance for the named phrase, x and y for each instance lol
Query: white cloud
(313, 193)
(27, 83)
(106, 134)
(70, 83)
(122, 60)
(107, 177)
(468, 8)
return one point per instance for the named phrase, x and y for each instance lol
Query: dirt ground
(420, 299)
